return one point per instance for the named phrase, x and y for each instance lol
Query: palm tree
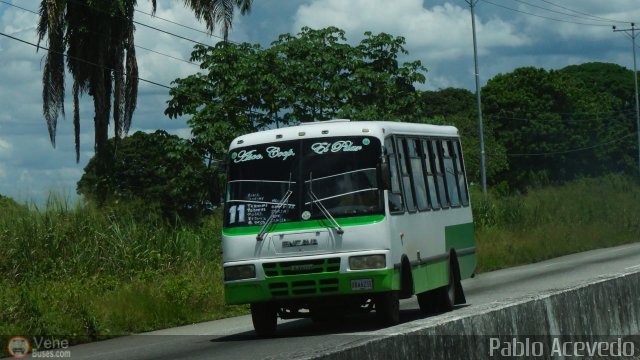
(98, 39)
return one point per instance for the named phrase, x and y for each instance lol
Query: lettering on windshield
(256, 210)
(338, 146)
(273, 152)
(245, 155)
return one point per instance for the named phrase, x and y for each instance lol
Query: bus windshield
(338, 173)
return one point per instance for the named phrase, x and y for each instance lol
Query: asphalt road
(234, 338)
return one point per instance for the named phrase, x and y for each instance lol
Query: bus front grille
(304, 287)
(300, 267)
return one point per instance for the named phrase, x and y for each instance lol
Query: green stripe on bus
(459, 236)
(303, 225)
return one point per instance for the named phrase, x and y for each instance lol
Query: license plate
(362, 284)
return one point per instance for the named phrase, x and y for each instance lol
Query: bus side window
(450, 173)
(395, 195)
(407, 186)
(417, 174)
(436, 160)
(460, 173)
(429, 173)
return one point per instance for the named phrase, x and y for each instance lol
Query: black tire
(388, 308)
(426, 303)
(448, 296)
(441, 299)
(265, 319)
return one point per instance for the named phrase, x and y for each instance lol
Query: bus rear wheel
(388, 308)
(265, 319)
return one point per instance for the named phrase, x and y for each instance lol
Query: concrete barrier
(591, 311)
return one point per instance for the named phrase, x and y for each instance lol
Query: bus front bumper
(311, 286)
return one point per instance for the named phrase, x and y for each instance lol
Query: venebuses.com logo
(39, 347)
(18, 347)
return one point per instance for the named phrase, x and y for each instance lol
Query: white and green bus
(336, 217)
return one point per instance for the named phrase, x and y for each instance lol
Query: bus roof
(342, 127)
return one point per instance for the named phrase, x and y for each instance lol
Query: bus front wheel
(441, 299)
(388, 308)
(265, 319)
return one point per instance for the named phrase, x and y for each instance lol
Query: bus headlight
(367, 262)
(239, 272)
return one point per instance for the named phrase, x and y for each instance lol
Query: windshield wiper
(285, 198)
(263, 230)
(322, 208)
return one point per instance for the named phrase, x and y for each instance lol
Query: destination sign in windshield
(339, 171)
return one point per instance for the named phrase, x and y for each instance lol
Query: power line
(16, 6)
(583, 13)
(188, 94)
(169, 56)
(179, 24)
(139, 23)
(609, 116)
(170, 33)
(77, 58)
(575, 150)
(142, 24)
(541, 16)
(631, 32)
(138, 46)
(590, 18)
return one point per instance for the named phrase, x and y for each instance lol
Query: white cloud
(438, 33)
(184, 133)
(25, 177)
(5, 148)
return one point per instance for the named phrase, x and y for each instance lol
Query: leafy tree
(158, 170)
(225, 102)
(446, 102)
(382, 88)
(317, 65)
(98, 37)
(605, 78)
(616, 82)
(313, 76)
(549, 124)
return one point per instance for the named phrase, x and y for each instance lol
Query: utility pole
(632, 34)
(483, 173)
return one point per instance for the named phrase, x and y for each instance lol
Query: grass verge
(84, 274)
(549, 222)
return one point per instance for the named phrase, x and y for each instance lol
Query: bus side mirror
(384, 172)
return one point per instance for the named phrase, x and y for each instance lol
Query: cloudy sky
(511, 34)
